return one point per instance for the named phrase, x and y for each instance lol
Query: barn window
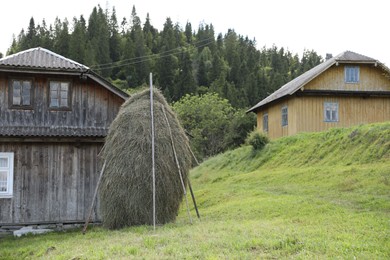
(331, 112)
(284, 116)
(6, 174)
(21, 93)
(351, 74)
(59, 94)
(265, 122)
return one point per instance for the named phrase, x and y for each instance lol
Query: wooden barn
(345, 90)
(54, 116)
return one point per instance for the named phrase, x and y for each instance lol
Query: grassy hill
(314, 195)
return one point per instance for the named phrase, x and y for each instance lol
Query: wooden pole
(93, 199)
(189, 184)
(153, 163)
(178, 165)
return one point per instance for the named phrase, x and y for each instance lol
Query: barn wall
(371, 79)
(91, 105)
(53, 182)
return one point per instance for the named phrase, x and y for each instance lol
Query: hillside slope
(326, 193)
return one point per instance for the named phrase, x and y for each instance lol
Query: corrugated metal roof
(52, 131)
(295, 84)
(40, 58)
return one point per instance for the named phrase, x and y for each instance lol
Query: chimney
(328, 56)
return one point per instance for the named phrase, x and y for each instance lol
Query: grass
(315, 195)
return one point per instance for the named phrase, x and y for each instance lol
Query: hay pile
(126, 191)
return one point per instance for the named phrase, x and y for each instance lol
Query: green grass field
(317, 195)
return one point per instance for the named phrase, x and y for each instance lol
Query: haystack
(126, 189)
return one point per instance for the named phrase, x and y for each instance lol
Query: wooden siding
(53, 182)
(306, 113)
(91, 104)
(371, 79)
(275, 128)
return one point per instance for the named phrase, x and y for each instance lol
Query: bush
(257, 140)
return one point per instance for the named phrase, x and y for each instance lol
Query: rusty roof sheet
(41, 58)
(52, 131)
(300, 81)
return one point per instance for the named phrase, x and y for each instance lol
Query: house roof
(41, 60)
(300, 81)
(52, 131)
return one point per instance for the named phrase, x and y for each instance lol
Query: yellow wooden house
(345, 90)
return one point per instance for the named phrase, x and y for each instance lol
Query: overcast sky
(326, 26)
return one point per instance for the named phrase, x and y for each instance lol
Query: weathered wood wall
(53, 182)
(306, 113)
(91, 105)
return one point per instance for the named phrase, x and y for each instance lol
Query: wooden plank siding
(91, 104)
(371, 79)
(306, 113)
(53, 182)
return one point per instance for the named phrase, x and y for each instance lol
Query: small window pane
(64, 94)
(284, 116)
(64, 102)
(54, 86)
(3, 181)
(54, 102)
(3, 162)
(64, 86)
(265, 122)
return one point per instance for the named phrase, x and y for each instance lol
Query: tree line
(183, 60)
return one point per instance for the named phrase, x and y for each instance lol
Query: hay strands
(178, 165)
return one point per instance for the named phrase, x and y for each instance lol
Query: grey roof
(300, 81)
(53, 131)
(40, 58)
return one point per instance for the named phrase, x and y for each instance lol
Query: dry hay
(126, 191)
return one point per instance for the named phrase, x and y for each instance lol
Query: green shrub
(257, 140)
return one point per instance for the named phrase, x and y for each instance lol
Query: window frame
(284, 115)
(347, 74)
(11, 93)
(69, 95)
(10, 174)
(265, 122)
(331, 104)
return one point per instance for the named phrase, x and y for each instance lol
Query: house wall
(306, 113)
(53, 182)
(91, 105)
(371, 79)
(275, 128)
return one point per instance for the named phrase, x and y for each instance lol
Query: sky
(325, 26)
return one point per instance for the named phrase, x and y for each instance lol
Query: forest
(183, 60)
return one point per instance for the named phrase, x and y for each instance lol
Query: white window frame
(351, 74)
(265, 122)
(284, 116)
(9, 169)
(333, 107)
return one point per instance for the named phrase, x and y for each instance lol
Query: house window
(59, 94)
(284, 116)
(331, 112)
(6, 174)
(21, 93)
(265, 122)
(351, 74)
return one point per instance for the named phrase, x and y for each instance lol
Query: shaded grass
(301, 197)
